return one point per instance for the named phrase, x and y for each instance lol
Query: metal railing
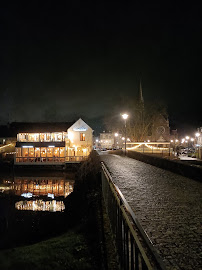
(50, 159)
(75, 158)
(39, 159)
(135, 249)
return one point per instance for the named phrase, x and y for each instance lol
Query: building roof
(14, 128)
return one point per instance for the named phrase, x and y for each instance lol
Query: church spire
(140, 97)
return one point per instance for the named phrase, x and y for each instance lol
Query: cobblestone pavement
(168, 207)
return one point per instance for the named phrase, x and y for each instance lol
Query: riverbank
(79, 238)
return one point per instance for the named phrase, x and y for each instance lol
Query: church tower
(140, 104)
(140, 96)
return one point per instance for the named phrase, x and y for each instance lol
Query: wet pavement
(167, 205)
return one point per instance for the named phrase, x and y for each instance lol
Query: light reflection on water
(45, 193)
(40, 205)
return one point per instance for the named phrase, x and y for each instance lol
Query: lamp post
(115, 140)
(125, 117)
(197, 135)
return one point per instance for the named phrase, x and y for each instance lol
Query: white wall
(74, 132)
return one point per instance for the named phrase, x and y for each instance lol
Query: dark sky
(60, 61)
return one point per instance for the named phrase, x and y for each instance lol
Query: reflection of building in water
(40, 186)
(40, 205)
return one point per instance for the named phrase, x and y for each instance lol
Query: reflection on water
(40, 191)
(40, 205)
(38, 186)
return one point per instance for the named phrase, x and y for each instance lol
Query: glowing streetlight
(116, 139)
(125, 117)
(187, 137)
(197, 134)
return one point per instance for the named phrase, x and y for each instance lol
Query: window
(82, 136)
(33, 137)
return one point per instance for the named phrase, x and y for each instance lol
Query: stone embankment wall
(179, 167)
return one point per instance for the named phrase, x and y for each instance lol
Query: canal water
(32, 206)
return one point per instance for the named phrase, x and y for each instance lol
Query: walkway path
(168, 207)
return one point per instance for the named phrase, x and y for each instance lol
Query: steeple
(140, 95)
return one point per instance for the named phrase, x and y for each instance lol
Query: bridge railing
(135, 249)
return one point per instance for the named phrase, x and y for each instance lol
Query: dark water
(32, 207)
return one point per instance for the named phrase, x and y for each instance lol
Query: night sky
(63, 61)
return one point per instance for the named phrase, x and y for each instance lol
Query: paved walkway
(168, 207)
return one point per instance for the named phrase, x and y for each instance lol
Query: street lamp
(125, 117)
(197, 135)
(115, 140)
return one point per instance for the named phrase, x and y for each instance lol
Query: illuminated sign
(79, 129)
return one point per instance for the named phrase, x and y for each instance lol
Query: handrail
(134, 218)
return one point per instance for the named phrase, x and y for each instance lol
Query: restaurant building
(50, 143)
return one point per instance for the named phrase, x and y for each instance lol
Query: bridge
(167, 207)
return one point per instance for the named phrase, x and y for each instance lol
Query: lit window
(82, 136)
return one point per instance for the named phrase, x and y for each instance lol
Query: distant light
(197, 134)
(192, 139)
(116, 134)
(97, 140)
(128, 140)
(148, 140)
(28, 146)
(171, 140)
(123, 138)
(176, 140)
(51, 146)
(125, 116)
(187, 137)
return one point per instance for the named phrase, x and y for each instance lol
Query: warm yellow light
(197, 134)
(171, 140)
(187, 137)
(192, 139)
(125, 116)
(116, 134)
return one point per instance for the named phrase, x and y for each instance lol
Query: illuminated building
(50, 143)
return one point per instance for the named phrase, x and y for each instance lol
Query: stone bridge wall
(179, 167)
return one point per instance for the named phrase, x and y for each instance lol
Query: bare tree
(140, 121)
